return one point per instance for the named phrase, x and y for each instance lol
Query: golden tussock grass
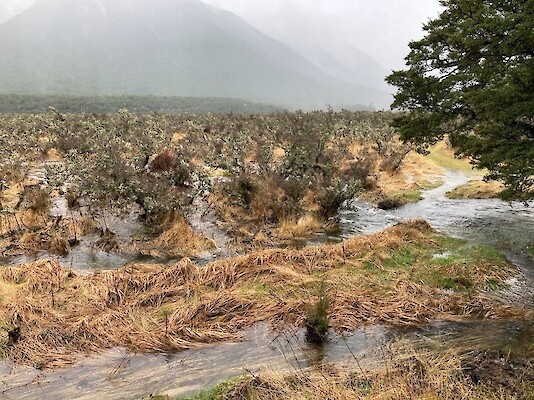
(415, 173)
(419, 376)
(30, 231)
(34, 219)
(301, 227)
(442, 154)
(8, 224)
(152, 308)
(476, 189)
(278, 154)
(177, 137)
(11, 194)
(58, 245)
(177, 239)
(53, 155)
(420, 171)
(404, 185)
(81, 226)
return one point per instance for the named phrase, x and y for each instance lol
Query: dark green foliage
(317, 319)
(472, 77)
(16, 103)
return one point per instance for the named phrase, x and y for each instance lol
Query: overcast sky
(9, 8)
(381, 28)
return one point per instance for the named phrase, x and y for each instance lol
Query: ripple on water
(117, 373)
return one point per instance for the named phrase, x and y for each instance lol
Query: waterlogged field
(108, 224)
(393, 277)
(264, 178)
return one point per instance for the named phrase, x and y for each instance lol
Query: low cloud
(381, 28)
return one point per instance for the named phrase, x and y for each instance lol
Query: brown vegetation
(174, 238)
(269, 178)
(29, 231)
(418, 376)
(404, 185)
(59, 312)
(476, 189)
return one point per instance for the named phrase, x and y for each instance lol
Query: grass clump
(418, 376)
(217, 392)
(390, 277)
(476, 189)
(174, 237)
(398, 198)
(317, 319)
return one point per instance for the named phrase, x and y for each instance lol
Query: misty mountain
(163, 48)
(346, 62)
(10, 8)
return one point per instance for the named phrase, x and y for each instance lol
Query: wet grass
(410, 196)
(255, 290)
(217, 392)
(392, 277)
(394, 199)
(442, 155)
(457, 266)
(476, 189)
(429, 185)
(416, 375)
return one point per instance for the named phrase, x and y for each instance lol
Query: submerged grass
(391, 277)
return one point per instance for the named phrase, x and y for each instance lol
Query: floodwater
(118, 374)
(508, 226)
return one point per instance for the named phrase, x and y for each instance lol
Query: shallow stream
(118, 374)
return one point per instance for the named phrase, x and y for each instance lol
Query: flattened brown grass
(155, 308)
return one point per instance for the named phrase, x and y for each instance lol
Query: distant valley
(171, 48)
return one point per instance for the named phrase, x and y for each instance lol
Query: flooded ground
(509, 226)
(119, 374)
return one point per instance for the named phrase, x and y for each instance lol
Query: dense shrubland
(258, 173)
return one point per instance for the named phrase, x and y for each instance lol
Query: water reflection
(119, 374)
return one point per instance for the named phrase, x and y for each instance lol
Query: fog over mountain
(381, 29)
(177, 48)
(10, 8)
